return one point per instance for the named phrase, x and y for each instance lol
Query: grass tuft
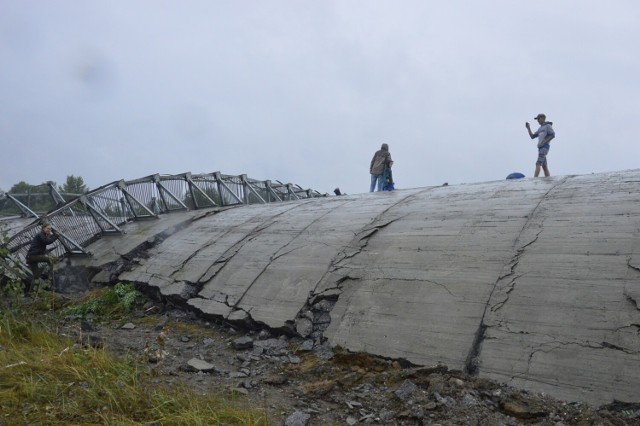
(47, 379)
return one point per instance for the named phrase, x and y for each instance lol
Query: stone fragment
(200, 365)
(238, 315)
(264, 334)
(406, 390)
(244, 342)
(322, 318)
(306, 346)
(276, 379)
(128, 326)
(321, 387)
(457, 382)
(294, 359)
(271, 346)
(324, 305)
(298, 418)
(323, 351)
(304, 326)
(386, 415)
(352, 404)
(469, 400)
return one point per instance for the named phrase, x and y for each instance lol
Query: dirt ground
(297, 384)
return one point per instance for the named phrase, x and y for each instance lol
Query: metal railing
(105, 210)
(25, 204)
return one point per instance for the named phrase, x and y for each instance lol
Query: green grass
(107, 303)
(47, 379)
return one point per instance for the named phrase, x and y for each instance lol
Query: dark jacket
(39, 244)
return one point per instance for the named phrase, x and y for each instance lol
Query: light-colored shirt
(545, 131)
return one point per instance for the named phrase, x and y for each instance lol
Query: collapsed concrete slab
(532, 282)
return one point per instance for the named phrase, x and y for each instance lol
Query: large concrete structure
(532, 282)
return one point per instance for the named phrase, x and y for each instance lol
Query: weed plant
(106, 303)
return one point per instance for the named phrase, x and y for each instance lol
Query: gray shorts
(542, 156)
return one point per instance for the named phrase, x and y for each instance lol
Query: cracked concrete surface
(532, 282)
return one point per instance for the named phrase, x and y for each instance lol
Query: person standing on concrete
(380, 161)
(37, 253)
(544, 134)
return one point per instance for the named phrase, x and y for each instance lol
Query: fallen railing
(105, 210)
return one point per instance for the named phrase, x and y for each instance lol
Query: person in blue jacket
(544, 134)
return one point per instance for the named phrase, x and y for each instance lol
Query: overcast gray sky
(306, 91)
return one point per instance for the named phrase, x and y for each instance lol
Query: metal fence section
(105, 210)
(28, 203)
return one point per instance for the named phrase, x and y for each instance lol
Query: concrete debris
(406, 390)
(297, 419)
(304, 326)
(244, 342)
(306, 346)
(197, 364)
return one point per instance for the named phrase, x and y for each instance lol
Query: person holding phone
(37, 253)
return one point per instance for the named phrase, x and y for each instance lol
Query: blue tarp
(515, 175)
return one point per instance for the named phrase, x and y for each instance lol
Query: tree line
(37, 197)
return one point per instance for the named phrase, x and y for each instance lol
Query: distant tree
(74, 185)
(21, 187)
(36, 197)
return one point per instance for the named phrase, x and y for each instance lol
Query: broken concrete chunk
(244, 342)
(238, 315)
(322, 318)
(323, 351)
(306, 346)
(197, 364)
(406, 390)
(297, 419)
(294, 359)
(304, 326)
(271, 346)
(240, 390)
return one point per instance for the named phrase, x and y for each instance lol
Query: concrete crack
(509, 288)
(636, 326)
(633, 301)
(233, 250)
(551, 346)
(472, 361)
(637, 268)
(279, 255)
(194, 254)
